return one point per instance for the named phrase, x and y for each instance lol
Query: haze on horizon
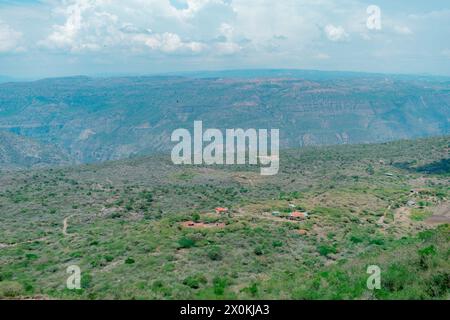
(51, 38)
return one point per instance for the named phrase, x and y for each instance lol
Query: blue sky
(70, 37)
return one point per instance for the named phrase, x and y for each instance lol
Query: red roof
(297, 214)
(221, 209)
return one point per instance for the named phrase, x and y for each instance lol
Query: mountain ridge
(98, 119)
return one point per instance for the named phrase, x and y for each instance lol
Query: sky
(51, 38)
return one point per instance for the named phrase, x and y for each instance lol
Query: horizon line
(192, 73)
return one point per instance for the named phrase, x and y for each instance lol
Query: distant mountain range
(82, 119)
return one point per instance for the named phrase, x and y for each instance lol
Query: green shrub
(325, 250)
(129, 261)
(439, 285)
(356, 239)
(196, 217)
(277, 243)
(425, 256)
(259, 250)
(215, 253)
(186, 243)
(195, 281)
(10, 289)
(219, 285)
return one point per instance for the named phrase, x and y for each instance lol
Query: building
(221, 210)
(296, 215)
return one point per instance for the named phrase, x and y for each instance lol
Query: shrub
(259, 250)
(356, 239)
(439, 284)
(220, 285)
(252, 289)
(10, 289)
(325, 250)
(186, 243)
(425, 256)
(195, 281)
(196, 217)
(86, 280)
(129, 261)
(277, 243)
(215, 253)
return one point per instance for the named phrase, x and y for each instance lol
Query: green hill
(126, 225)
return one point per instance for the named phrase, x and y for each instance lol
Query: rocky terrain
(98, 119)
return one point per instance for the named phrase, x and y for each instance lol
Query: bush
(196, 217)
(325, 250)
(425, 256)
(277, 243)
(259, 250)
(195, 281)
(356, 239)
(215, 253)
(439, 285)
(186, 243)
(10, 289)
(220, 285)
(252, 290)
(129, 261)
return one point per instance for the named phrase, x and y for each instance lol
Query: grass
(125, 230)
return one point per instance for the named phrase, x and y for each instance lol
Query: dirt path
(65, 225)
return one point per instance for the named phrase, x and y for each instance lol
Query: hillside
(22, 152)
(127, 225)
(98, 119)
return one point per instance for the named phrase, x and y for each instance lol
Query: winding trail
(65, 225)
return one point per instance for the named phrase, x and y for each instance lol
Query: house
(221, 210)
(296, 215)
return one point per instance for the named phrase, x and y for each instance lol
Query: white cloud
(182, 34)
(91, 25)
(9, 39)
(336, 33)
(167, 42)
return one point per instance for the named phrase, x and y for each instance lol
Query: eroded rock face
(92, 120)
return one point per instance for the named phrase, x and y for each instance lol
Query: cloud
(168, 43)
(93, 25)
(198, 34)
(9, 39)
(335, 33)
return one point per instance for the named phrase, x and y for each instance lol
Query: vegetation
(125, 224)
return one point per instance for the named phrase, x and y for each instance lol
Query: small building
(220, 210)
(411, 203)
(297, 215)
